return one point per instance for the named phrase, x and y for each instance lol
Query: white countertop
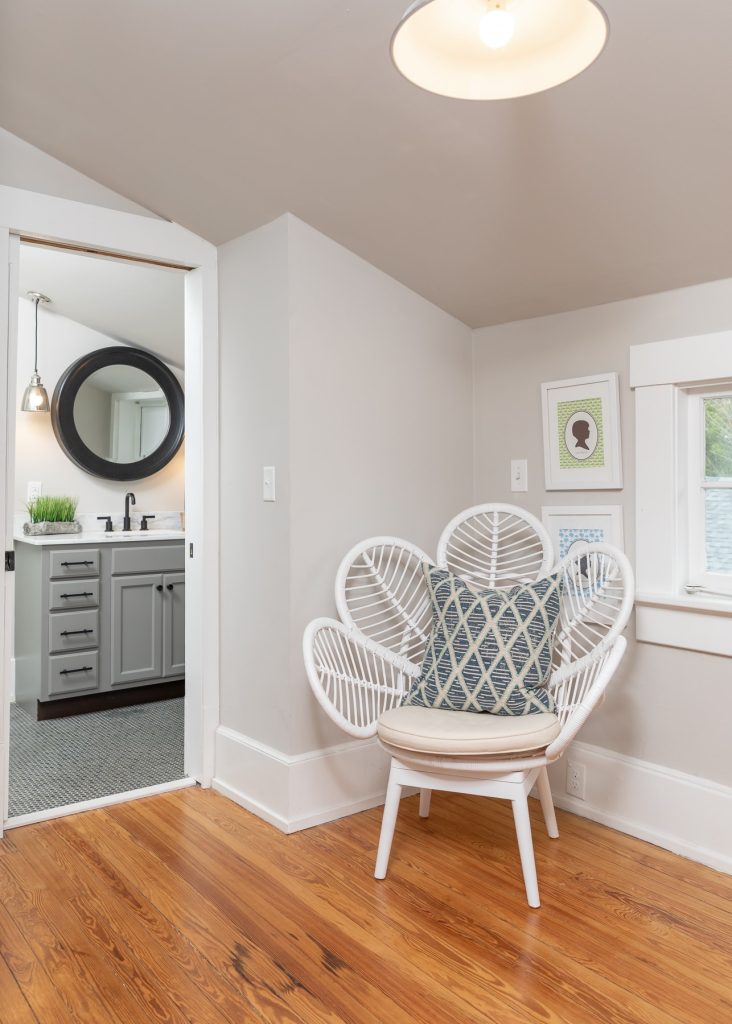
(100, 537)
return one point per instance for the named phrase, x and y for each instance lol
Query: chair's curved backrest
(597, 599)
(495, 546)
(380, 589)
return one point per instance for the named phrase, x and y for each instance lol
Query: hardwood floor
(185, 908)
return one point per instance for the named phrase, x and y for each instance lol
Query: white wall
(383, 414)
(24, 166)
(380, 429)
(255, 535)
(658, 708)
(37, 452)
(359, 392)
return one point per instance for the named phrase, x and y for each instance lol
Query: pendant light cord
(35, 356)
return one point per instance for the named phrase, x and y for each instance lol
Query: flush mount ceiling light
(35, 398)
(497, 49)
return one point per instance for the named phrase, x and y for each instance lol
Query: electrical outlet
(35, 489)
(576, 779)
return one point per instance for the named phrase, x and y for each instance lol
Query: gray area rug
(65, 760)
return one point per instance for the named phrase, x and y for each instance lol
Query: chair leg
(547, 804)
(526, 848)
(388, 823)
(425, 795)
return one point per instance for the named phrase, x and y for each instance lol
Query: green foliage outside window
(718, 429)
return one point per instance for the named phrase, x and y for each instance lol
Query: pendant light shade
(35, 396)
(497, 49)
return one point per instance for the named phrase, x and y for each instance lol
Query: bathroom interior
(98, 608)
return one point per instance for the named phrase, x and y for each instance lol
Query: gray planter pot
(44, 529)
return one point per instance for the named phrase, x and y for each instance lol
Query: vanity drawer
(73, 673)
(68, 630)
(63, 595)
(148, 558)
(76, 562)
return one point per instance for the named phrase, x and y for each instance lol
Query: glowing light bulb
(496, 28)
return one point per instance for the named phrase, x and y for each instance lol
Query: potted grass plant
(49, 514)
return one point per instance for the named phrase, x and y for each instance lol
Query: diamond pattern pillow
(489, 650)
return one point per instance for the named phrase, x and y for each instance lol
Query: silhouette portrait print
(581, 433)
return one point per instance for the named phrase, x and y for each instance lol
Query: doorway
(98, 654)
(199, 475)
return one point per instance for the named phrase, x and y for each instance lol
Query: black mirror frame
(64, 427)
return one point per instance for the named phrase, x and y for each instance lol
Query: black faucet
(129, 497)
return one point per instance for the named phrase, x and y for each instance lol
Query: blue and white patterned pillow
(489, 650)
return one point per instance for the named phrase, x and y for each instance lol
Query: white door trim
(24, 213)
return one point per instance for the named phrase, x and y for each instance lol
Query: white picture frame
(581, 421)
(571, 524)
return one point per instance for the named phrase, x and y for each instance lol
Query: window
(709, 427)
(683, 491)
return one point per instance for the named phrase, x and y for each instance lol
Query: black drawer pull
(87, 562)
(159, 586)
(71, 671)
(170, 586)
(74, 632)
(83, 593)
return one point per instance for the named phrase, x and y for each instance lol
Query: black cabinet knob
(159, 586)
(170, 586)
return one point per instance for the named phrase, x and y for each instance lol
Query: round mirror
(118, 413)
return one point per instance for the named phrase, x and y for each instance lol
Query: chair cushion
(489, 650)
(432, 731)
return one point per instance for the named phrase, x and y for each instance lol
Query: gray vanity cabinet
(97, 620)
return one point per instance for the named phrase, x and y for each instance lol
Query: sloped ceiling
(224, 114)
(138, 305)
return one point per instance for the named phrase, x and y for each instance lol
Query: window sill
(685, 621)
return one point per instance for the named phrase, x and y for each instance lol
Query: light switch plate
(35, 489)
(519, 475)
(268, 483)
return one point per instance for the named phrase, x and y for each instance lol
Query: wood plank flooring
(184, 908)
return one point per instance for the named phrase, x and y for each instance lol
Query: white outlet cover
(575, 783)
(35, 490)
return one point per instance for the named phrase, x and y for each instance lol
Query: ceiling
(129, 302)
(224, 114)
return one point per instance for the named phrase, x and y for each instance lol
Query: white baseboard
(688, 815)
(294, 792)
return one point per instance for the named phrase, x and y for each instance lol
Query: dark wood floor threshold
(88, 702)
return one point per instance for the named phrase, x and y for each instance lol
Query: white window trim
(663, 375)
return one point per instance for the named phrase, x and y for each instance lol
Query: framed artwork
(577, 524)
(582, 433)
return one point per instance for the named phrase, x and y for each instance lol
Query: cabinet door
(174, 624)
(137, 628)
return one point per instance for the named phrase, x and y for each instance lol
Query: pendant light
(497, 49)
(35, 398)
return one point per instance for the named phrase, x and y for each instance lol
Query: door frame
(94, 229)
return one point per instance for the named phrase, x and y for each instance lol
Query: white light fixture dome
(497, 49)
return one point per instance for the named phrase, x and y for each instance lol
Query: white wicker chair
(359, 682)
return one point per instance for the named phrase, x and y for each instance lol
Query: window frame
(666, 376)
